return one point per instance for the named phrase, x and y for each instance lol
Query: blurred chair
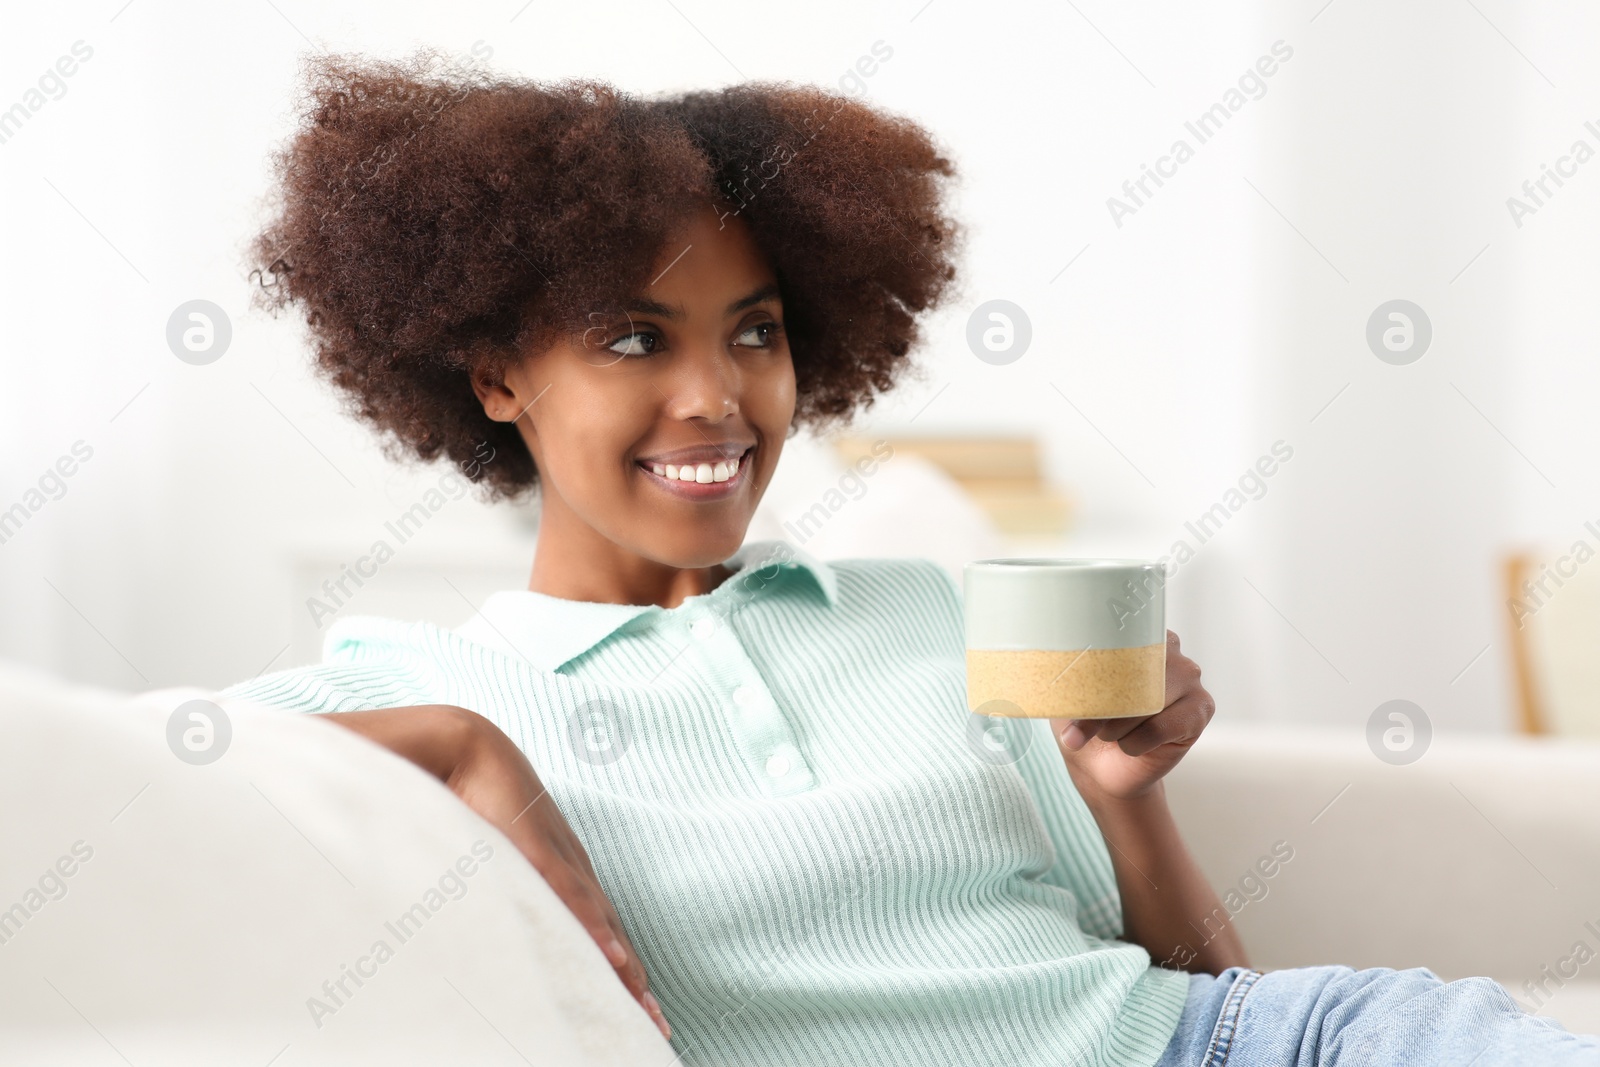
(1553, 620)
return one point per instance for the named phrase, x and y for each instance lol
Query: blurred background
(1298, 295)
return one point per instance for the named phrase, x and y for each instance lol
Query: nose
(704, 384)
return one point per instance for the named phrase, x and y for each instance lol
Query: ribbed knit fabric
(817, 858)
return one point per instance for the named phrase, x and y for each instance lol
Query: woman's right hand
(487, 770)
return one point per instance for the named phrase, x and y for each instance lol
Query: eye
(637, 343)
(759, 335)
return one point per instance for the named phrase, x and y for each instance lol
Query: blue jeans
(1336, 1016)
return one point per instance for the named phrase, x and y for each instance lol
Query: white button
(703, 627)
(778, 765)
(744, 696)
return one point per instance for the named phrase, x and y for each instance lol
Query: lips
(670, 475)
(718, 452)
(693, 459)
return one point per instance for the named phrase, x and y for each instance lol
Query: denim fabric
(1337, 1016)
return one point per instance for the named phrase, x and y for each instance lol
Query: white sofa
(191, 914)
(1480, 858)
(219, 898)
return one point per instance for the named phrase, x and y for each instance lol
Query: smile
(700, 481)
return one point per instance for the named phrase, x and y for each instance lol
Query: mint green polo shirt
(818, 852)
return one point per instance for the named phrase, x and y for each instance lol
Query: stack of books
(1002, 474)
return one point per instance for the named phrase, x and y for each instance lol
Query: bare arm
(1167, 905)
(1117, 764)
(490, 774)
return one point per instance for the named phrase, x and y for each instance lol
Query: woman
(743, 769)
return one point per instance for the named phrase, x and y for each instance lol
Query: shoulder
(888, 576)
(421, 653)
(364, 638)
(367, 661)
(911, 589)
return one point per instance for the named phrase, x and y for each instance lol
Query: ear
(498, 400)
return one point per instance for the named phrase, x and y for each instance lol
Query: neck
(574, 561)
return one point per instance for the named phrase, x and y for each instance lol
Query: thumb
(1073, 737)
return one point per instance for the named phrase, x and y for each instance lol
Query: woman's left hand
(1123, 759)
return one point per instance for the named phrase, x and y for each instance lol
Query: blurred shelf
(1002, 474)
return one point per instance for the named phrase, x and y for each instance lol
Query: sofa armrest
(283, 865)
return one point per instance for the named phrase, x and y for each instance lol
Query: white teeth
(698, 472)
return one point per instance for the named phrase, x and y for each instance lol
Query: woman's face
(658, 430)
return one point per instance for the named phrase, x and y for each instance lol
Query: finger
(534, 841)
(1073, 734)
(590, 910)
(629, 959)
(1181, 723)
(1068, 734)
(634, 978)
(611, 946)
(630, 972)
(619, 948)
(600, 918)
(578, 856)
(1183, 673)
(632, 969)
(1112, 729)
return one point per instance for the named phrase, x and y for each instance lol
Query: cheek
(581, 444)
(770, 409)
(774, 396)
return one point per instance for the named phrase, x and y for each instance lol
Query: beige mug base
(1094, 683)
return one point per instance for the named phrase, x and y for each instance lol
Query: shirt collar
(549, 631)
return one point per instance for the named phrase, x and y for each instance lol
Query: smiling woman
(632, 303)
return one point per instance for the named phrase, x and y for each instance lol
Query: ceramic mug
(1065, 638)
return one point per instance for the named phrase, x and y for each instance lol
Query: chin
(701, 545)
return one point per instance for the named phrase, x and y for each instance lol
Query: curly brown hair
(436, 226)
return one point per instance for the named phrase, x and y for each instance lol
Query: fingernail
(1073, 737)
(654, 1006)
(618, 954)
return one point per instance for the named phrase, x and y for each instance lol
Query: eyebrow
(655, 307)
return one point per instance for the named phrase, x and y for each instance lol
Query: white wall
(1391, 160)
(1190, 338)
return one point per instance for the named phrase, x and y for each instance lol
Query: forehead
(708, 255)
